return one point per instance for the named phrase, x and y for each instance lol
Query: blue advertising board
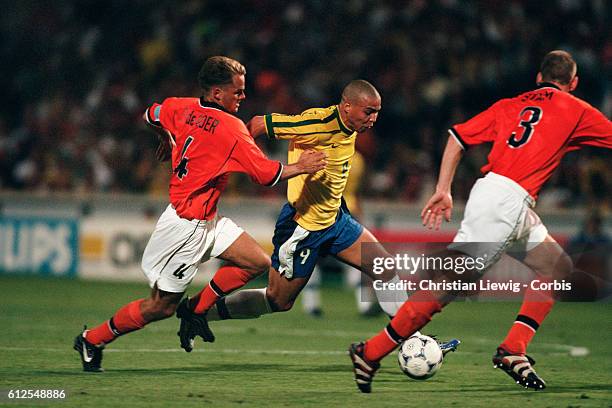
(39, 245)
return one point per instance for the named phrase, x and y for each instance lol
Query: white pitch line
(276, 352)
(574, 351)
(561, 349)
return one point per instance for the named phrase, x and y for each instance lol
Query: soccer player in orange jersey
(206, 143)
(530, 134)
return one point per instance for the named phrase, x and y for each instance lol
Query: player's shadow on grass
(203, 368)
(327, 368)
(218, 367)
(301, 368)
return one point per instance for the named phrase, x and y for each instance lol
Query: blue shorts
(296, 250)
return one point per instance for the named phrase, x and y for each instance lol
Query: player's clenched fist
(312, 161)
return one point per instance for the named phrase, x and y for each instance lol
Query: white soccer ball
(420, 357)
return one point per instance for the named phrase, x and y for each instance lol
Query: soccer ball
(420, 357)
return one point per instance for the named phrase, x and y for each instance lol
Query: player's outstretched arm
(441, 202)
(309, 162)
(164, 149)
(256, 126)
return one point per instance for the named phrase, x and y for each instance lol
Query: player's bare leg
(278, 296)
(244, 260)
(160, 305)
(282, 292)
(353, 255)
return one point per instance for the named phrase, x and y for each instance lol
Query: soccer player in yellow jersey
(364, 292)
(315, 221)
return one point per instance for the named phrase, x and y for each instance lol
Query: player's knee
(261, 264)
(161, 310)
(563, 267)
(386, 275)
(169, 309)
(278, 303)
(280, 306)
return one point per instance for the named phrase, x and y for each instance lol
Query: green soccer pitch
(287, 359)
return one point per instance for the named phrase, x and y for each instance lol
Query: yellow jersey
(316, 197)
(353, 184)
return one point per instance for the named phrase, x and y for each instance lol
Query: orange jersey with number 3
(531, 133)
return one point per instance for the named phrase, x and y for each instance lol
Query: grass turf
(287, 359)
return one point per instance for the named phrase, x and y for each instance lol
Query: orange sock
(226, 279)
(536, 306)
(414, 314)
(127, 319)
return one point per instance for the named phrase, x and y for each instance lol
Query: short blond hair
(219, 70)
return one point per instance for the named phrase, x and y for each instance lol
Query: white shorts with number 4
(498, 214)
(178, 246)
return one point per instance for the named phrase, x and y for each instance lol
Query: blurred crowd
(79, 74)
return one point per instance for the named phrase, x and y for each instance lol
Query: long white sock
(244, 304)
(352, 276)
(364, 294)
(311, 294)
(390, 301)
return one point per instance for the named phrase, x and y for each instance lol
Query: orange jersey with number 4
(531, 133)
(209, 143)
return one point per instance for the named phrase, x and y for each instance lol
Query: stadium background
(80, 74)
(80, 189)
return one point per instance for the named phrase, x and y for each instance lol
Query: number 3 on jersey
(181, 170)
(529, 117)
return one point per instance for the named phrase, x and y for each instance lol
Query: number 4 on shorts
(180, 272)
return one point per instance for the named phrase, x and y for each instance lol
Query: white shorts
(178, 246)
(498, 214)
